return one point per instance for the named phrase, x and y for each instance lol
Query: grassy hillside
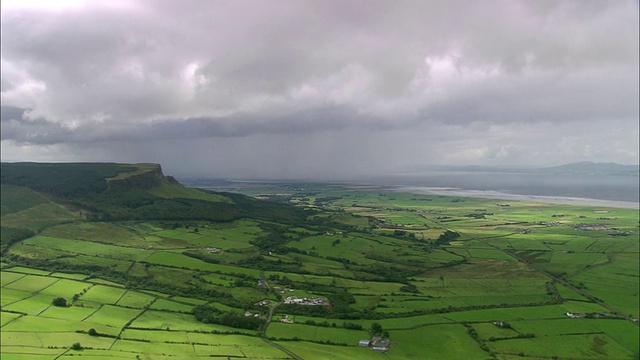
(108, 191)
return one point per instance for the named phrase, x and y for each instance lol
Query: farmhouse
(379, 343)
(501, 324)
(576, 315)
(379, 348)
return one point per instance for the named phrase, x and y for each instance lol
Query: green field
(436, 275)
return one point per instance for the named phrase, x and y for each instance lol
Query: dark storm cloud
(15, 127)
(147, 71)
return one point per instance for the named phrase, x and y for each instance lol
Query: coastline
(491, 194)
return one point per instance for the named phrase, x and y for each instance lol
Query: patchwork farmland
(434, 277)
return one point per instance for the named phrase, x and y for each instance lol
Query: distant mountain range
(591, 168)
(578, 168)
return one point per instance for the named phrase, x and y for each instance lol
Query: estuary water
(600, 190)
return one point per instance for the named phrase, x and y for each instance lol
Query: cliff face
(144, 180)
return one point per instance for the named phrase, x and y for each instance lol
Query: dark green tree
(59, 301)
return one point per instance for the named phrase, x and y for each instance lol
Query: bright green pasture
(41, 324)
(510, 314)
(455, 286)
(75, 313)
(583, 307)
(27, 339)
(135, 299)
(353, 248)
(616, 283)
(151, 349)
(105, 282)
(218, 350)
(103, 294)
(487, 331)
(69, 276)
(435, 342)
(307, 350)
(8, 277)
(187, 300)
(163, 304)
(10, 296)
(220, 279)
(32, 283)
(156, 335)
(32, 305)
(245, 294)
(410, 305)
(95, 249)
(263, 351)
(69, 338)
(66, 288)
(569, 294)
(114, 316)
(179, 260)
(622, 331)
(279, 331)
(26, 270)
(218, 344)
(168, 276)
(554, 327)
(7, 317)
(77, 260)
(97, 232)
(32, 352)
(580, 346)
(401, 323)
(99, 354)
(614, 245)
(152, 319)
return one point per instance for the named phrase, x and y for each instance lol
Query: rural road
(268, 321)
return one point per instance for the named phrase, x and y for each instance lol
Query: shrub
(59, 301)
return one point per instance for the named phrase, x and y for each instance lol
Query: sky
(319, 89)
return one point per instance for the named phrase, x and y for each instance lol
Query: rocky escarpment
(153, 177)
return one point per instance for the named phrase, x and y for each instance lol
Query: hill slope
(109, 191)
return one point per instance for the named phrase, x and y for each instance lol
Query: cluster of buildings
(303, 301)
(377, 343)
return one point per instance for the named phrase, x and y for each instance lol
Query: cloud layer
(315, 83)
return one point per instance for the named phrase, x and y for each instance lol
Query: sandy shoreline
(489, 194)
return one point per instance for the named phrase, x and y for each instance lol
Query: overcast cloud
(324, 89)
